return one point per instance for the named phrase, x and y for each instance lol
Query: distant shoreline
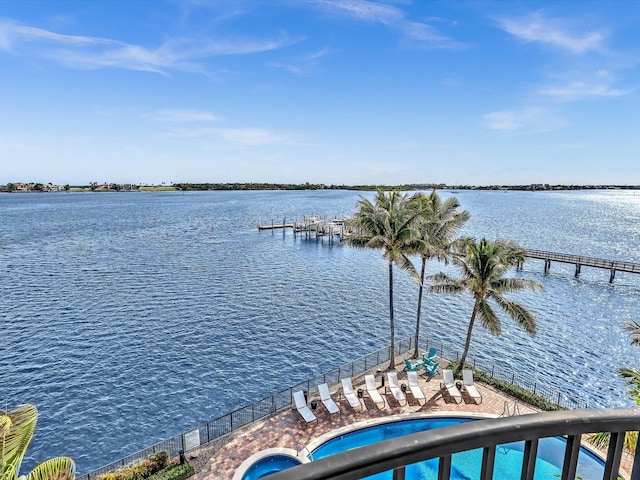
(113, 187)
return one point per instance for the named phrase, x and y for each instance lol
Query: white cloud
(580, 90)
(537, 28)
(12, 33)
(528, 120)
(251, 136)
(393, 17)
(302, 65)
(365, 10)
(84, 52)
(178, 115)
(244, 136)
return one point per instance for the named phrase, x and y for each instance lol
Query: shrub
(138, 471)
(175, 471)
(515, 391)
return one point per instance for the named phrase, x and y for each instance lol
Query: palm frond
(518, 313)
(632, 376)
(489, 319)
(634, 328)
(60, 468)
(16, 439)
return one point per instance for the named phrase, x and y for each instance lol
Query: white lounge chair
(301, 405)
(469, 386)
(396, 391)
(372, 390)
(448, 383)
(414, 386)
(347, 390)
(326, 399)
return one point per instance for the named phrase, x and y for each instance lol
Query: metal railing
(551, 395)
(269, 406)
(584, 261)
(259, 410)
(442, 443)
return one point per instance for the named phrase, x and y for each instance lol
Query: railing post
(529, 460)
(635, 473)
(444, 468)
(572, 450)
(614, 454)
(398, 473)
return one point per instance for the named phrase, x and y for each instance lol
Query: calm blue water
(128, 318)
(464, 465)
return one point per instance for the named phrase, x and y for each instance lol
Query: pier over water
(612, 265)
(314, 227)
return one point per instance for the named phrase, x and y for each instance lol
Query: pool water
(268, 465)
(465, 465)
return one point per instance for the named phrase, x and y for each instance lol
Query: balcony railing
(442, 443)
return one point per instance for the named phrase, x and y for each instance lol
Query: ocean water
(128, 318)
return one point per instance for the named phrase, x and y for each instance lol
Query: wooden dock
(612, 265)
(311, 227)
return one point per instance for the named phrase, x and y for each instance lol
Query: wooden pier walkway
(612, 265)
(310, 227)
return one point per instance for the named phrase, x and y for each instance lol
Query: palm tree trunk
(420, 291)
(467, 343)
(392, 363)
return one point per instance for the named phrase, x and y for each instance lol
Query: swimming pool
(464, 465)
(271, 463)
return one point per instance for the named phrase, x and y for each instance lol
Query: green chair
(410, 367)
(431, 369)
(429, 358)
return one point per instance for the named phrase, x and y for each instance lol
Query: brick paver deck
(287, 429)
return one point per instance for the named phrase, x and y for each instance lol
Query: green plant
(515, 391)
(16, 431)
(388, 224)
(440, 220)
(482, 268)
(139, 471)
(174, 471)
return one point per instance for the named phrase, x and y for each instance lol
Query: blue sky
(324, 91)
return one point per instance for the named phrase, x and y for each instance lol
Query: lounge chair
(414, 386)
(410, 367)
(431, 369)
(372, 390)
(301, 405)
(469, 386)
(450, 386)
(326, 399)
(396, 391)
(347, 390)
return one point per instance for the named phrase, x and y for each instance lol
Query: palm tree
(482, 268)
(16, 431)
(632, 377)
(440, 221)
(388, 224)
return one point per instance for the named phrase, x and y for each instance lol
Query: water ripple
(129, 318)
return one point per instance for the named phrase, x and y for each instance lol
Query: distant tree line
(301, 186)
(95, 186)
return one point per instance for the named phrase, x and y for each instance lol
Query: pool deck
(287, 429)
